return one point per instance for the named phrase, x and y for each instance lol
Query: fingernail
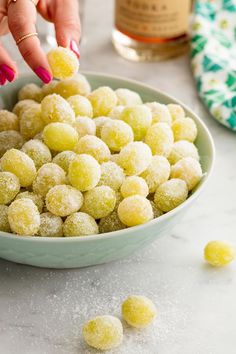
(2, 79)
(8, 72)
(43, 74)
(74, 47)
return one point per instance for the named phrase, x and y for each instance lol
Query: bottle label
(152, 20)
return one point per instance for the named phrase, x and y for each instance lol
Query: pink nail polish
(8, 72)
(74, 47)
(43, 74)
(2, 79)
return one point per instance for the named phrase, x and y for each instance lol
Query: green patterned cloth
(213, 53)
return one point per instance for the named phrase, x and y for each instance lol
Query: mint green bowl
(85, 251)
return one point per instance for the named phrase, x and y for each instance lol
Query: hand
(20, 17)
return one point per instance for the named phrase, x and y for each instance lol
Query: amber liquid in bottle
(149, 30)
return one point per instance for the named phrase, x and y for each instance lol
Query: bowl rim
(138, 228)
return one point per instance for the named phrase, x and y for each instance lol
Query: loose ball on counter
(103, 99)
(171, 194)
(60, 136)
(93, 146)
(10, 139)
(184, 129)
(9, 187)
(63, 200)
(38, 152)
(24, 217)
(20, 164)
(64, 158)
(63, 62)
(160, 113)
(138, 311)
(4, 223)
(219, 253)
(134, 158)
(99, 202)
(78, 85)
(103, 332)
(50, 225)
(139, 118)
(84, 172)
(81, 105)
(189, 170)
(135, 210)
(160, 139)
(157, 172)
(30, 92)
(48, 176)
(127, 97)
(84, 126)
(116, 134)
(181, 149)
(80, 224)
(54, 108)
(176, 111)
(112, 175)
(110, 223)
(134, 185)
(8, 121)
(37, 199)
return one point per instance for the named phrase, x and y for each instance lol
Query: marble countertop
(42, 311)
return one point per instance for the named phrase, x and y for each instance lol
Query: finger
(21, 21)
(8, 68)
(67, 24)
(3, 19)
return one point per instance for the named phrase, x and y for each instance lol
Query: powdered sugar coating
(81, 105)
(50, 225)
(103, 99)
(157, 172)
(9, 187)
(37, 199)
(60, 136)
(115, 113)
(134, 185)
(184, 129)
(78, 85)
(8, 121)
(10, 139)
(38, 152)
(48, 176)
(54, 108)
(176, 111)
(63, 62)
(160, 113)
(31, 122)
(135, 210)
(139, 117)
(189, 170)
(160, 139)
(84, 126)
(80, 224)
(181, 149)
(100, 122)
(64, 158)
(4, 224)
(112, 175)
(21, 106)
(116, 134)
(93, 146)
(110, 223)
(30, 92)
(128, 97)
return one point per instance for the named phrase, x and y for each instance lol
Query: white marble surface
(42, 311)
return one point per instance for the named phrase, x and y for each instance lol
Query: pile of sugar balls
(106, 332)
(77, 162)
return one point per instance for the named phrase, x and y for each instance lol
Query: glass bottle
(147, 30)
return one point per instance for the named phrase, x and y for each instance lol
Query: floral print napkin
(213, 57)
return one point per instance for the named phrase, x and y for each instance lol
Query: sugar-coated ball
(112, 175)
(160, 113)
(156, 211)
(116, 134)
(135, 157)
(30, 92)
(20, 164)
(80, 224)
(103, 332)
(8, 121)
(171, 194)
(160, 139)
(31, 122)
(110, 223)
(157, 172)
(139, 118)
(10, 139)
(64, 158)
(99, 202)
(176, 111)
(84, 126)
(134, 185)
(138, 311)
(219, 253)
(60, 136)
(24, 217)
(93, 146)
(78, 85)
(81, 105)
(189, 170)
(4, 223)
(127, 97)
(48, 89)
(37, 199)
(135, 210)
(84, 172)
(184, 129)
(181, 149)
(48, 176)
(54, 108)
(63, 63)
(63, 200)
(115, 113)
(103, 99)
(100, 122)
(9, 187)
(38, 152)
(115, 158)
(50, 225)
(21, 106)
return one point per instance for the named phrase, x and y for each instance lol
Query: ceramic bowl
(91, 250)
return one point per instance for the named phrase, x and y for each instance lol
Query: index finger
(21, 21)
